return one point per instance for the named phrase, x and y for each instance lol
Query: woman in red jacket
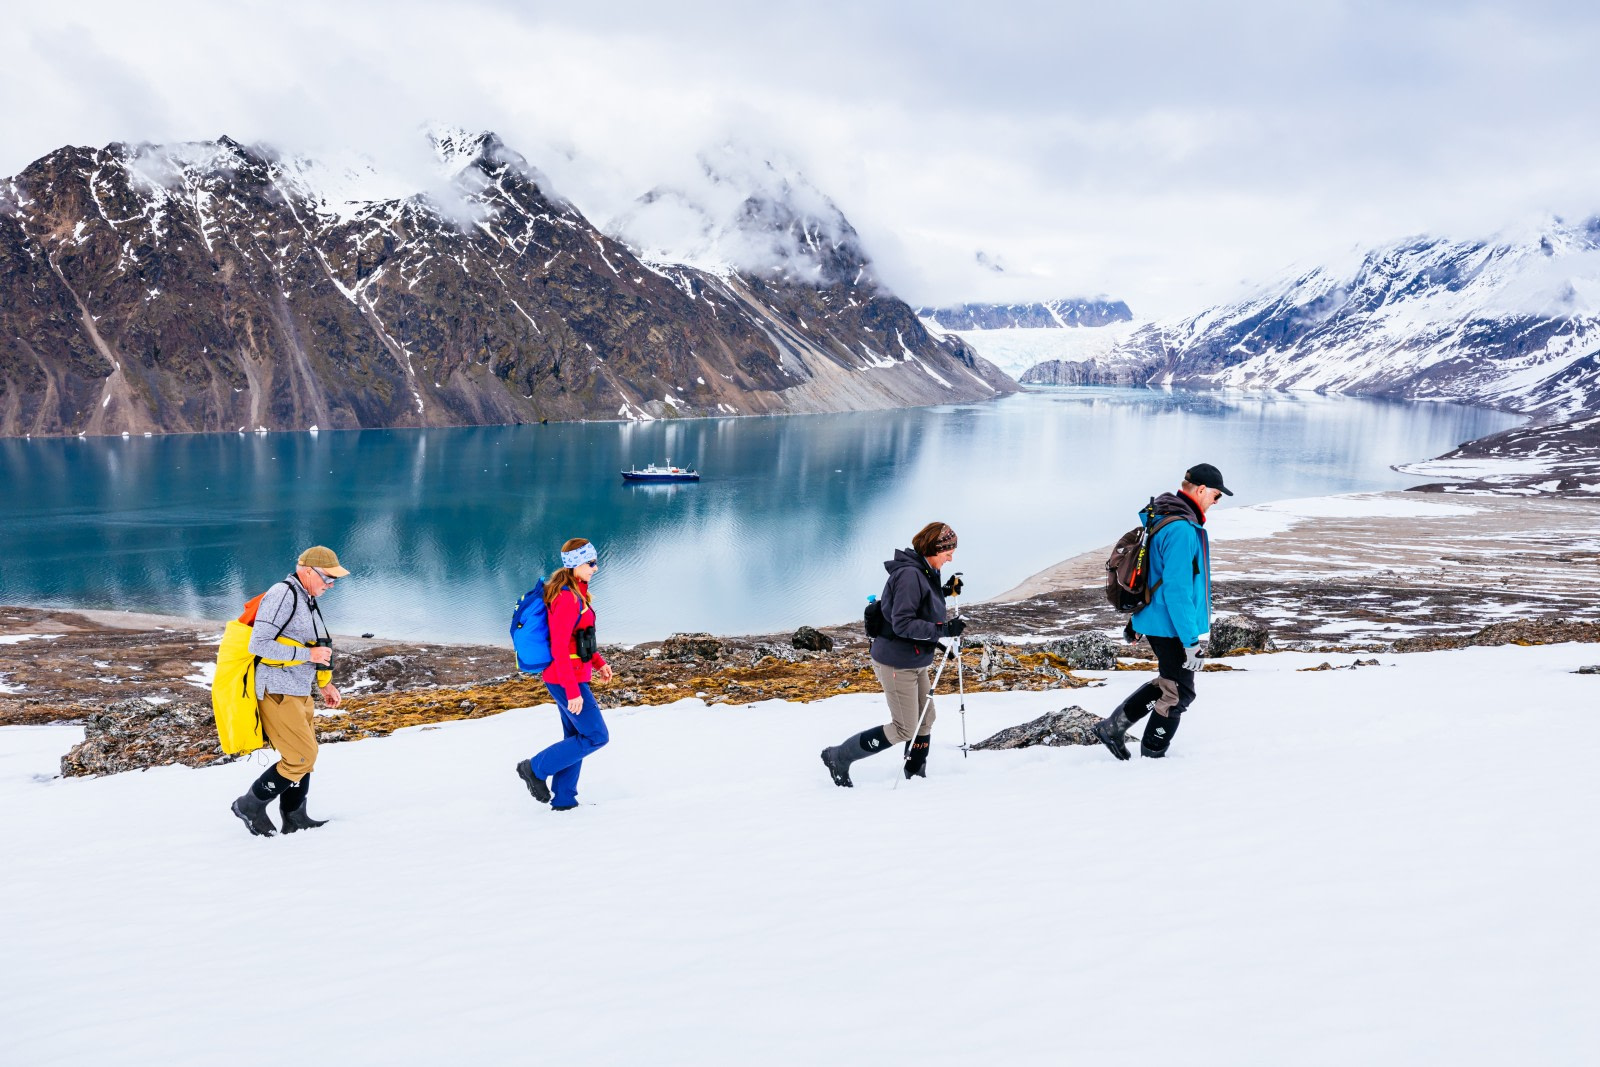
(576, 659)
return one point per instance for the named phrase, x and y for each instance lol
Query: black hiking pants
(1169, 696)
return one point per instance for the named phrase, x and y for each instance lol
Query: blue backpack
(530, 631)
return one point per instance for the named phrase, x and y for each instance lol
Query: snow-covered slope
(1384, 865)
(1512, 321)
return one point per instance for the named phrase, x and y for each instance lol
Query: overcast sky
(1163, 153)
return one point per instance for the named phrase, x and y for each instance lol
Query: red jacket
(566, 615)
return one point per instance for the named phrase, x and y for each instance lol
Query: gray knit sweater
(282, 601)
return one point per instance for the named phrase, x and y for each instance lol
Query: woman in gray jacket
(914, 620)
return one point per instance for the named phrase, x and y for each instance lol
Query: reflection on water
(445, 528)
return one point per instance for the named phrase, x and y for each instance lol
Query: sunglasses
(327, 578)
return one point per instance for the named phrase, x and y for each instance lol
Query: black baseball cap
(1207, 475)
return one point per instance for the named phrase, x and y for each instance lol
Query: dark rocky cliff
(207, 287)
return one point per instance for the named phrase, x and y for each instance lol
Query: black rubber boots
(838, 758)
(293, 807)
(252, 807)
(917, 756)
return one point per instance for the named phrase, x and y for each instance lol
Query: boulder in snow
(1069, 726)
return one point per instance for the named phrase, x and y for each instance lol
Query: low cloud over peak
(1165, 154)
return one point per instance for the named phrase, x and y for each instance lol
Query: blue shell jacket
(1180, 574)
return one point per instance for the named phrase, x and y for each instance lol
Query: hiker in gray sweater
(915, 619)
(295, 653)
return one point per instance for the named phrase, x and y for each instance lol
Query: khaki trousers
(290, 726)
(907, 692)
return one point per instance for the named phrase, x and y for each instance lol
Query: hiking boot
(1111, 730)
(563, 807)
(252, 811)
(838, 758)
(535, 784)
(917, 757)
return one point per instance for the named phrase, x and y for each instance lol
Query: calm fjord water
(445, 528)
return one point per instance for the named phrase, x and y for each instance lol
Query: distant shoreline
(1400, 535)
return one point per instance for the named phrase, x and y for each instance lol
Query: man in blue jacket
(1177, 617)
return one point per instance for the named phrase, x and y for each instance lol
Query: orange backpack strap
(252, 608)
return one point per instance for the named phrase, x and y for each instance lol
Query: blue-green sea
(443, 529)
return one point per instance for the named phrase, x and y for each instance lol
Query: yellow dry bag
(233, 693)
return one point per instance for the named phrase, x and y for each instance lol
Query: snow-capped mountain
(218, 286)
(1040, 315)
(742, 213)
(1513, 321)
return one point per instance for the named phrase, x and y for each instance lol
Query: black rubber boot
(293, 807)
(252, 807)
(1111, 731)
(917, 756)
(838, 758)
(535, 784)
(1158, 734)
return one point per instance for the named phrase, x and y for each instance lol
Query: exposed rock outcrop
(1236, 633)
(811, 639)
(1069, 726)
(691, 646)
(135, 734)
(1086, 651)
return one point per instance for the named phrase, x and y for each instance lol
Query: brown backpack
(1128, 567)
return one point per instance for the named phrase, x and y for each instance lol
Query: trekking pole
(961, 686)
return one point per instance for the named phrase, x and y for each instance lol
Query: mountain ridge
(1045, 314)
(209, 286)
(1510, 322)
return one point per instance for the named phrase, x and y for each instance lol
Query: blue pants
(581, 734)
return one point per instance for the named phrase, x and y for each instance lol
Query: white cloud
(1161, 153)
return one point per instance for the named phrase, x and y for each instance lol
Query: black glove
(952, 586)
(955, 627)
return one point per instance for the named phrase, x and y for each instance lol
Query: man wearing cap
(1177, 617)
(295, 656)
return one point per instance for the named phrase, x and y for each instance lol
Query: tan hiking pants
(906, 691)
(290, 726)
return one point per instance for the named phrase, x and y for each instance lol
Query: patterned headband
(945, 541)
(579, 556)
